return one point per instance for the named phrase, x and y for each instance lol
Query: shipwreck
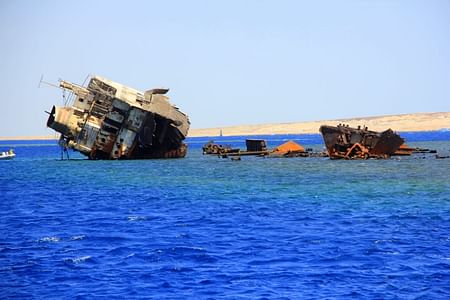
(218, 149)
(258, 147)
(344, 142)
(107, 120)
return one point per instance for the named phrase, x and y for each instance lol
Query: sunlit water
(210, 228)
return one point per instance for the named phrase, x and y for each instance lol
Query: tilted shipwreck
(346, 142)
(108, 120)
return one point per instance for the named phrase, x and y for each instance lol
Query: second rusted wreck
(344, 142)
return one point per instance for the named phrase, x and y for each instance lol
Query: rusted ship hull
(108, 120)
(349, 143)
(218, 149)
(257, 147)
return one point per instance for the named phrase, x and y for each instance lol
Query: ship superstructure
(108, 120)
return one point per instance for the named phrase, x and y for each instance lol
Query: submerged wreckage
(341, 142)
(257, 147)
(346, 142)
(108, 120)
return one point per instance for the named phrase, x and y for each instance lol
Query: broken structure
(257, 147)
(290, 149)
(108, 120)
(213, 148)
(405, 150)
(254, 147)
(346, 142)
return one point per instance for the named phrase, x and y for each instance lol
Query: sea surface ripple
(210, 228)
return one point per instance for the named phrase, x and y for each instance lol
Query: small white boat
(7, 154)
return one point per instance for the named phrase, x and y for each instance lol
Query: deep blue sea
(209, 228)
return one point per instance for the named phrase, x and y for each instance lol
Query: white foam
(77, 237)
(78, 260)
(136, 218)
(49, 239)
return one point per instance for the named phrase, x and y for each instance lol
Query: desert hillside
(406, 122)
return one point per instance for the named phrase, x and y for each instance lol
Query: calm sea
(210, 228)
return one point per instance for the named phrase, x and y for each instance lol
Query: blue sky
(230, 62)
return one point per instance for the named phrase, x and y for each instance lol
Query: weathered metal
(108, 120)
(254, 147)
(289, 146)
(257, 147)
(405, 150)
(344, 142)
(213, 148)
(289, 149)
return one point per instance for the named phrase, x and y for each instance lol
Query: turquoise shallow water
(209, 228)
